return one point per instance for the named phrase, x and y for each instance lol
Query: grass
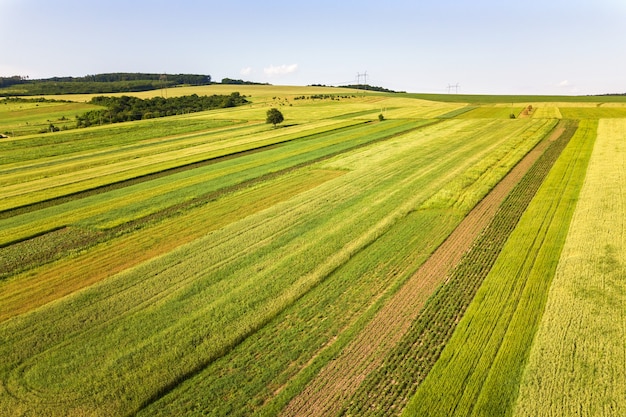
(478, 372)
(387, 258)
(42, 149)
(486, 112)
(546, 111)
(27, 185)
(142, 199)
(593, 112)
(576, 361)
(115, 254)
(26, 118)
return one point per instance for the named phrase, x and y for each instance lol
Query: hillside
(97, 84)
(444, 259)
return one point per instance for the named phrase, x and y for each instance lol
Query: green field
(211, 264)
(30, 117)
(580, 337)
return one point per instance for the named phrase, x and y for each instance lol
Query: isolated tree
(274, 116)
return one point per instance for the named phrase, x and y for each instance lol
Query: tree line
(371, 88)
(240, 82)
(127, 108)
(118, 82)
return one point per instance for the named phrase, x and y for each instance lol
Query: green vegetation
(210, 310)
(575, 365)
(204, 262)
(144, 198)
(96, 84)
(593, 112)
(489, 112)
(127, 108)
(479, 370)
(239, 82)
(20, 116)
(274, 116)
(413, 357)
(368, 87)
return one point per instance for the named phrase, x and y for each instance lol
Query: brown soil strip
(339, 380)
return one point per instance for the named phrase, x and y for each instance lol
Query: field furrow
(402, 246)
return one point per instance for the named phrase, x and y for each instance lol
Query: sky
(565, 47)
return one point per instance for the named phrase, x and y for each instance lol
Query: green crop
(478, 372)
(575, 364)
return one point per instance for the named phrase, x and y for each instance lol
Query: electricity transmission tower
(358, 78)
(455, 86)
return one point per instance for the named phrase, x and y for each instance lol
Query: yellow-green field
(338, 264)
(22, 118)
(576, 366)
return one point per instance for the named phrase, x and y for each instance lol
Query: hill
(97, 84)
(446, 259)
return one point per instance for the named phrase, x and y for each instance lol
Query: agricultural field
(580, 339)
(24, 117)
(212, 264)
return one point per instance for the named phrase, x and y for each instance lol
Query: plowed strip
(340, 379)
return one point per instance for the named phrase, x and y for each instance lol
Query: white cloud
(567, 87)
(280, 70)
(246, 71)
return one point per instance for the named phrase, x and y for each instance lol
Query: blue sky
(486, 46)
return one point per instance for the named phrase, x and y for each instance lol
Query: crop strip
(159, 320)
(133, 202)
(386, 390)
(115, 254)
(304, 156)
(390, 260)
(339, 380)
(478, 371)
(457, 112)
(576, 363)
(161, 243)
(153, 175)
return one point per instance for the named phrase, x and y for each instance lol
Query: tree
(274, 116)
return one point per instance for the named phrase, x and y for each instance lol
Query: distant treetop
(361, 87)
(372, 88)
(240, 82)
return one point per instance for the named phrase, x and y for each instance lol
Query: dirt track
(339, 380)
